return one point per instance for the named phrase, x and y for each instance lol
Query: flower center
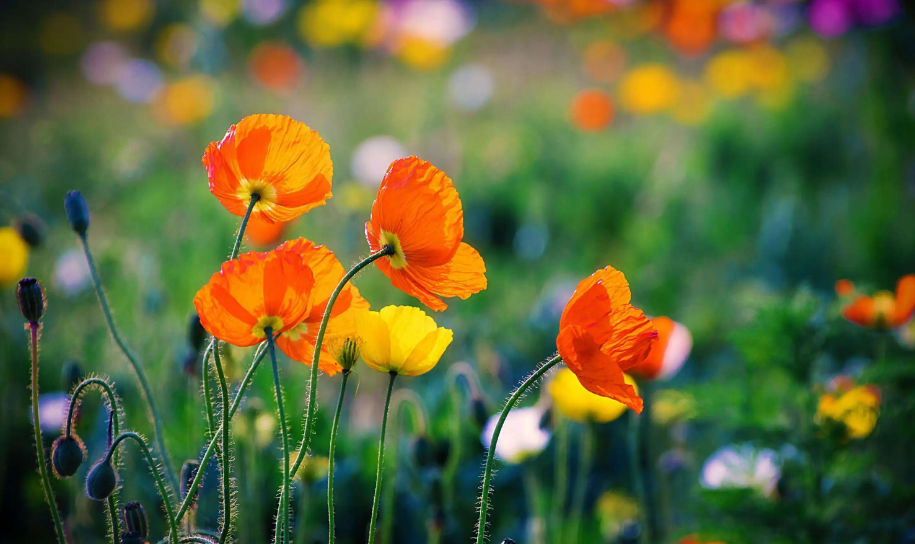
(398, 259)
(297, 332)
(263, 189)
(276, 323)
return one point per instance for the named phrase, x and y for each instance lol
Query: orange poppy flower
(299, 342)
(668, 354)
(275, 157)
(844, 288)
(601, 335)
(255, 291)
(418, 212)
(884, 310)
(263, 234)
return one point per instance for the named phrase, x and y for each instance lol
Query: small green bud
(132, 537)
(136, 520)
(31, 299)
(77, 212)
(30, 228)
(348, 354)
(67, 454)
(101, 481)
(188, 473)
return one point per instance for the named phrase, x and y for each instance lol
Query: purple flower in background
(52, 409)
(831, 18)
(875, 12)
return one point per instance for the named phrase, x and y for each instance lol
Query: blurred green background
(734, 171)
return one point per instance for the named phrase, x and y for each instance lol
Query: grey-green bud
(67, 454)
(31, 299)
(188, 473)
(77, 212)
(101, 481)
(136, 520)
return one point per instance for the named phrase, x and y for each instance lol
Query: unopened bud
(190, 364)
(480, 412)
(136, 520)
(101, 481)
(196, 334)
(188, 473)
(31, 299)
(132, 537)
(348, 354)
(508, 541)
(422, 452)
(77, 212)
(67, 454)
(30, 228)
(71, 375)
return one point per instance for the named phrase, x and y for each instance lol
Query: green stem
(225, 459)
(638, 482)
(284, 496)
(532, 491)
(205, 459)
(311, 393)
(153, 467)
(561, 479)
(244, 225)
(34, 328)
(207, 397)
(301, 529)
(330, 460)
(491, 454)
(581, 480)
(403, 397)
(134, 362)
(379, 468)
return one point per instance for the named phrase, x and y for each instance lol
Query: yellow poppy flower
(857, 407)
(575, 402)
(401, 339)
(14, 256)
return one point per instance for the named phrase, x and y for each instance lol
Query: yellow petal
(375, 340)
(407, 326)
(427, 353)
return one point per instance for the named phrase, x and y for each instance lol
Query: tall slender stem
(319, 342)
(638, 482)
(225, 459)
(244, 225)
(581, 480)
(134, 362)
(34, 329)
(153, 467)
(207, 397)
(284, 496)
(400, 399)
(330, 460)
(561, 480)
(491, 454)
(379, 468)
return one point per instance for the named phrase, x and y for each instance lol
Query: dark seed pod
(480, 413)
(101, 481)
(188, 473)
(67, 454)
(77, 212)
(31, 299)
(136, 520)
(423, 452)
(30, 228)
(196, 334)
(132, 537)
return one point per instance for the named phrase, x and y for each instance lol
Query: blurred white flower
(522, 436)
(742, 467)
(52, 410)
(103, 62)
(470, 87)
(678, 347)
(262, 12)
(72, 273)
(139, 81)
(372, 158)
(438, 21)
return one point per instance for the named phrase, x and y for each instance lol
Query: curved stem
(491, 454)
(134, 362)
(284, 496)
(34, 328)
(581, 480)
(244, 225)
(205, 459)
(561, 479)
(319, 342)
(330, 460)
(163, 489)
(378, 469)
(205, 378)
(225, 460)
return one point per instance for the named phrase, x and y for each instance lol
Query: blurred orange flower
(692, 25)
(418, 212)
(592, 110)
(299, 342)
(275, 66)
(255, 291)
(263, 234)
(601, 335)
(275, 157)
(884, 310)
(668, 354)
(844, 288)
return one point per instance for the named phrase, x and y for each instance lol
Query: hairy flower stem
(491, 454)
(380, 467)
(330, 459)
(310, 390)
(34, 329)
(225, 459)
(561, 480)
(586, 457)
(113, 404)
(154, 468)
(207, 397)
(134, 362)
(283, 512)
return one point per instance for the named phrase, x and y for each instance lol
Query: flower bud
(348, 354)
(71, 375)
(479, 410)
(132, 537)
(30, 228)
(101, 481)
(190, 363)
(67, 454)
(422, 452)
(136, 520)
(508, 541)
(196, 334)
(77, 212)
(188, 473)
(31, 299)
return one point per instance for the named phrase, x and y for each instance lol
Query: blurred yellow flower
(312, 469)
(12, 95)
(672, 406)
(329, 23)
(575, 402)
(421, 53)
(14, 256)
(124, 15)
(694, 104)
(857, 407)
(649, 88)
(185, 102)
(401, 339)
(259, 424)
(728, 73)
(60, 34)
(613, 510)
(768, 68)
(219, 12)
(354, 197)
(807, 59)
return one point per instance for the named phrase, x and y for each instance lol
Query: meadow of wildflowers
(440, 271)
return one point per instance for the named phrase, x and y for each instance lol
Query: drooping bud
(31, 299)
(188, 473)
(136, 520)
(348, 354)
(101, 481)
(30, 228)
(71, 375)
(67, 454)
(196, 334)
(479, 410)
(190, 363)
(422, 452)
(132, 537)
(77, 212)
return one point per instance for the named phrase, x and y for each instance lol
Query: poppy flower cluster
(883, 310)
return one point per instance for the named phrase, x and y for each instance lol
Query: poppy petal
(580, 308)
(860, 312)
(905, 300)
(597, 371)
(374, 340)
(427, 353)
